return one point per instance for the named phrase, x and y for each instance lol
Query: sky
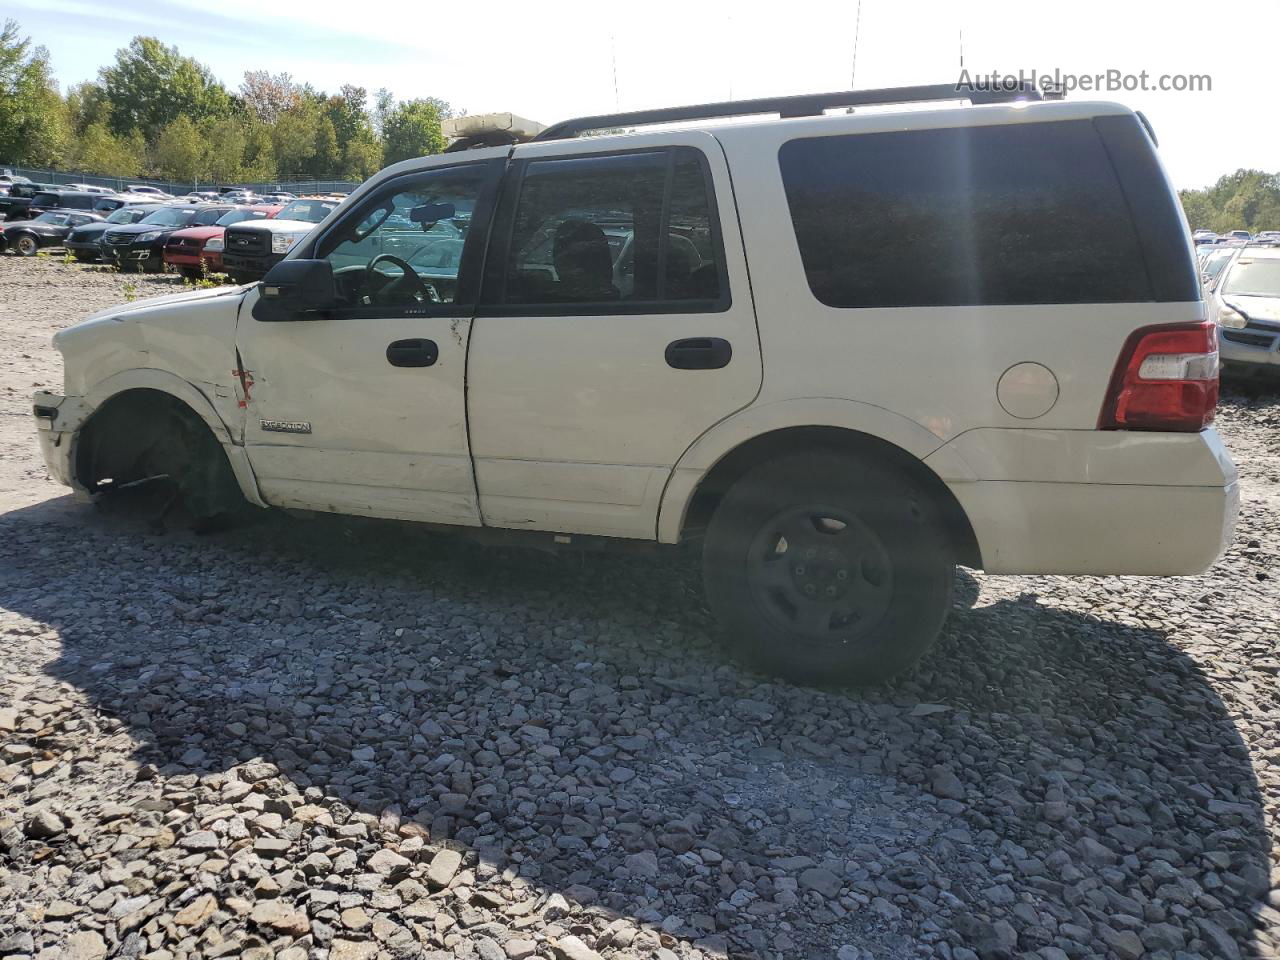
(552, 60)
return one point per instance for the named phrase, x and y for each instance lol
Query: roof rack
(805, 105)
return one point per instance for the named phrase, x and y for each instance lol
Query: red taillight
(1166, 379)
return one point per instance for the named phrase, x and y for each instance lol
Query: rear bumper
(1097, 502)
(1099, 529)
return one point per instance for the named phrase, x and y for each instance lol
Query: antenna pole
(857, 28)
(962, 50)
(613, 50)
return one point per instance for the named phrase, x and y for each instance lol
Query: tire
(153, 264)
(191, 273)
(870, 583)
(241, 278)
(25, 245)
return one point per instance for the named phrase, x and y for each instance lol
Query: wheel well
(135, 430)
(730, 468)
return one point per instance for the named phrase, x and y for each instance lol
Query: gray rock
(443, 866)
(43, 824)
(821, 880)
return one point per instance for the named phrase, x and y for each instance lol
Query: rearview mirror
(296, 290)
(429, 214)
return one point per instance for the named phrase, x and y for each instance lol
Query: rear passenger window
(1018, 214)
(624, 228)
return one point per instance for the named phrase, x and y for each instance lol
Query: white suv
(846, 352)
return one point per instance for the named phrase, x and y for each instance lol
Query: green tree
(98, 150)
(412, 129)
(150, 85)
(180, 151)
(33, 117)
(226, 144)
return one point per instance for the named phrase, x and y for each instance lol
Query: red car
(189, 249)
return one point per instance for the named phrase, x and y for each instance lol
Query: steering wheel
(425, 289)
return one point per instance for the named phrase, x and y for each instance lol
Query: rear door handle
(413, 353)
(699, 353)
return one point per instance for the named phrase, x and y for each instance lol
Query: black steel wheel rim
(819, 572)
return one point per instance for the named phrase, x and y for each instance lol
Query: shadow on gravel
(1044, 778)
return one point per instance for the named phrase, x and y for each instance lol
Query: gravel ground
(353, 740)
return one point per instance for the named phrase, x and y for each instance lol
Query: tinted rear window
(1016, 214)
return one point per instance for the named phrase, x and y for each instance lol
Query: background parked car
(149, 191)
(185, 249)
(14, 206)
(1211, 263)
(84, 242)
(1245, 303)
(65, 200)
(26, 237)
(253, 248)
(141, 244)
(201, 196)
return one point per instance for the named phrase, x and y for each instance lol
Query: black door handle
(413, 353)
(699, 353)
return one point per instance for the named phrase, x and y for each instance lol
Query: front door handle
(699, 353)
(413, 353)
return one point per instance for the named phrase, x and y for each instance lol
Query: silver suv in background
(1245, 304)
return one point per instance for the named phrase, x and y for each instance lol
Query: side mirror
(295, 290)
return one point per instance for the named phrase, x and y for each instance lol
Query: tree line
(154, 112)
(1244, 200)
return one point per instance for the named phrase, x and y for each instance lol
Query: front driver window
(404, 248)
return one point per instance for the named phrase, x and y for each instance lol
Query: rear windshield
(45, 200)
(1254, 278)
(1023, 213)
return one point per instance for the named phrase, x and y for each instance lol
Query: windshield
(312, 211)
(125, 215)
(169, 217)
(1254, 278)
(52, 218)
(1215, 261)
(235, 216)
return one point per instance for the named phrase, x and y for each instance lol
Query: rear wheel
(191, 273)
(25, 245)
(827, 569)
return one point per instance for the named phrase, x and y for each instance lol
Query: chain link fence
(178, 187)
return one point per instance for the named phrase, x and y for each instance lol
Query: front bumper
(250, 266)
(58, 421)
(182, 256)
(130, 253)
(84, 246)
(1254, 345)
